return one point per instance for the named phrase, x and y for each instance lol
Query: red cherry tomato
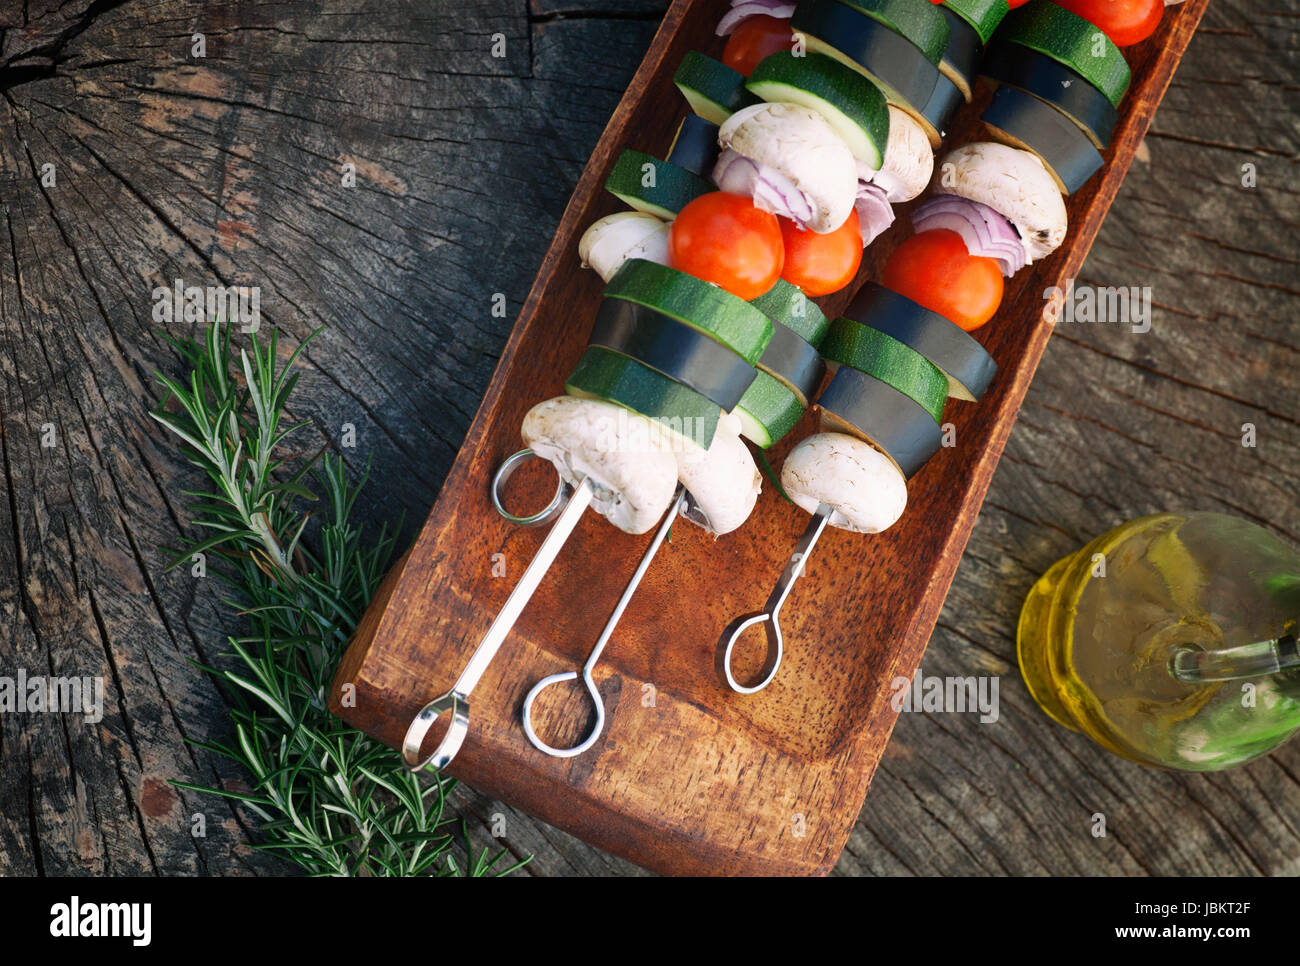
(722, 238)
(934, 269)
(1016, 3)
(821, 264)
(1126, 22)
(753, 40)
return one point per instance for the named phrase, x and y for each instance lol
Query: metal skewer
(456, 701)
(770, 615)
(596, 651)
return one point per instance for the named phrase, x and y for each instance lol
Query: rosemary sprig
(330, 798)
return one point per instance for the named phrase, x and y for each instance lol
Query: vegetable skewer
(997, 207)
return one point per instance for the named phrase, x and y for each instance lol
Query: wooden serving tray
(690, 777)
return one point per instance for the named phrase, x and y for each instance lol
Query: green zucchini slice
(712, 89)
(983, 15)
(850, 343)
(1069, 39)
(885, 58)
(607, 375)
(768, 411)
(656, 187)
(851, 104)
(917, 20)
(707, 308)
(786, 303)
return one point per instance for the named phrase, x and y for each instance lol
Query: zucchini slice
(917, 20)
(704, 307)
(851, 104)
(676, 350)
(966, 364)
(602, 374)
(1058, 85)
(1023, 121)
(786, 304)
(695, 146)
(983, 15)
(712, 89)
(768, 411)
(794, 363)
(885, 58)
(1069, 39)
(961, 58)
(863, 406)
(656, 187)
(850, 343)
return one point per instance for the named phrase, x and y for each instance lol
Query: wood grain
(702, 780)
(1114, 424)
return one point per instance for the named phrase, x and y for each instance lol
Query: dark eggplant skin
(678, 351)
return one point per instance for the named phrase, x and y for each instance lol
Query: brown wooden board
(689, 777)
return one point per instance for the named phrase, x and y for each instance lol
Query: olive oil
(1101, 632)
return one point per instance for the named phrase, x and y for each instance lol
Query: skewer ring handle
(596, 728)
(543, 516)
(453, 703)
(775, 649)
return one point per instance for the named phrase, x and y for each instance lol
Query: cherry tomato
(821, 264)
(1016, 3)
(722, 238)
(1126, 22)
(934, 269)
(753, 40)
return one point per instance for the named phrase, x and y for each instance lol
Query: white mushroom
(630, 464)
(1012, 182)
(612, 240)
(723, 481)
(908, 161)
(797, 165)
(861, 485)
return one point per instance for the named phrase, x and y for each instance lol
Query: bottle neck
(1194, 665)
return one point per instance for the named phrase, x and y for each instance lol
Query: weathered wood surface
(226, 169)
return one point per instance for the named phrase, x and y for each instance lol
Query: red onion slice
(875, 213)
(985, 232)
(772, 191)
(742, 10)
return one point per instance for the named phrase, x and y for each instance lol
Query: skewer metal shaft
(456, 701)
(594, 656)
(769, 617)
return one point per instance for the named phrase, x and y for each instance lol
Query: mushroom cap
(723, 481)
(800, 144)
(861, 485)
(1012, 182)
(632, 468)
(909, 160)
(612, 240)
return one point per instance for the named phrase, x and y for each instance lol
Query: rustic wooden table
(226, 169)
